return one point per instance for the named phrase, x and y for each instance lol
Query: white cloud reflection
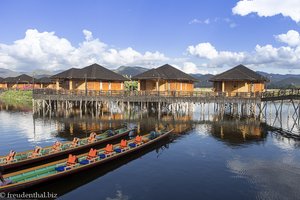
(273, 179)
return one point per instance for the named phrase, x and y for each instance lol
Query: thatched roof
(165, 72)
(19, 79)
(239, 73)
(92, 72)
(44, 80)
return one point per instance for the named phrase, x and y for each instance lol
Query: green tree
(131, 85)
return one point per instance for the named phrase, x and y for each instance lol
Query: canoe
(25, 158)
(36, 175)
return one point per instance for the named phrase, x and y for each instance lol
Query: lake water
(207, 157)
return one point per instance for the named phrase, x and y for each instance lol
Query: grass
(16, 97)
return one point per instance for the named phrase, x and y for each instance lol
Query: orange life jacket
(92, 137)
(109, 148)
(56, 146)
(123, 144)
(92, 154)
(36, 151)
(72, 159)
(10, 156)
(138, 139)
(75, 142)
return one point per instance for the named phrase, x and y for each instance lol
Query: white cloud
(198, 21)
(203, 50)
(189, 67)
(292, 38)
(268, 8)
(208, 51)
(287, 57)
(192, 68)
(208, 21)
(46, 50)
(88, 35)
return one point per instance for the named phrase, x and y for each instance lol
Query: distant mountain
(203, 80)
(282, 80)
(290, 82)
(276, 80)
(130, 71)
(39, 73)
(8, 73)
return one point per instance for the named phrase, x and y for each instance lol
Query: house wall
(48, 85)
(92, 85)
(232, 87)
(150, 85)
(117, 86)
(3, 86)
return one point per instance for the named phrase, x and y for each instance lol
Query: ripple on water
(239, 162)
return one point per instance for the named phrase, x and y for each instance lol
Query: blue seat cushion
(84, 162)
(60, 168)
(118, 150)
(132, 145)
(102, 155)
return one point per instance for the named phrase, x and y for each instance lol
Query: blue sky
(195, 36)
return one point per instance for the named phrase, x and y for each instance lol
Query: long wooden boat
(36, 175)
(28, 157)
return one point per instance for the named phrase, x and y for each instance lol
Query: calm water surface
(207, 157)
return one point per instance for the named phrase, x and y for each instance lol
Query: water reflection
(235, 131)
(241, 156)
(119, 196)
(279, 181)
(4, 106)
(65, 125)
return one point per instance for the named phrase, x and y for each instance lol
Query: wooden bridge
(280, 104)
(165, 96)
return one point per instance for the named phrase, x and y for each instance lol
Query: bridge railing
(118, 93)
(281, 93)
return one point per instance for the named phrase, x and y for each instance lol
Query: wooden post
(223, 86)
(85, 84)
(70, 85)
(159, 110)
(57, 84)
(139, 85)
(157, 86)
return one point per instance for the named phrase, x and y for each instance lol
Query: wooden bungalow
(22, 82)
(2, 83)
(238, 81)
(165, 79)
(93, 77)
(46, 83)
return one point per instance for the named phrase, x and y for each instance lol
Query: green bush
(131, 85)
(16, 96)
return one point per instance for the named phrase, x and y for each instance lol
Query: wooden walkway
(288, 94)
(168, 97)
(135, 96)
